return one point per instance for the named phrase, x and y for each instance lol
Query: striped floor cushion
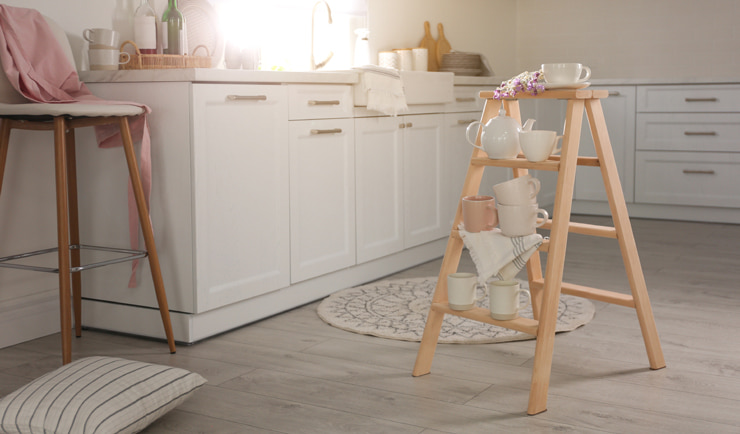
(97, 395)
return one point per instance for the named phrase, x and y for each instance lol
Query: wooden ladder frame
(546, 289)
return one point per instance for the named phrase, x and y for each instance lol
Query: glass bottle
(174, 21)
(145, 28)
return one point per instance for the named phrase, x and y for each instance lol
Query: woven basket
(165, 61)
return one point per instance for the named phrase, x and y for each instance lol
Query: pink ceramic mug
(479, 213)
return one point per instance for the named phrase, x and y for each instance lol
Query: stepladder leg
(625, 236)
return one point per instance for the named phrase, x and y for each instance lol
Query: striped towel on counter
(496, 255)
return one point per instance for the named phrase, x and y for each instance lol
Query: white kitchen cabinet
(322, 197)
(401, 186)
(241, 191)
(425, 212)
(379, 186)
(619, 111)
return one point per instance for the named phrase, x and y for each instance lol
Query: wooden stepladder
(546, 289)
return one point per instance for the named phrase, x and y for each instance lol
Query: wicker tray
(165, 61)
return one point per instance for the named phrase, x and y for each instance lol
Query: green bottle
(176, 33)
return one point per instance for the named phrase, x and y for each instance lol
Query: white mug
(461, 290)
(538, 145)
(520, 220)
(107, 37)
(517, 191)
(107, 59)
(503, 296)
(565, 73)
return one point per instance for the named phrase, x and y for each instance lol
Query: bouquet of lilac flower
(528, 82)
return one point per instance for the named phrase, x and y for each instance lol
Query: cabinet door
(322, 197)
(379, 186)
(240, 183)
(425, 218)
(619, 111)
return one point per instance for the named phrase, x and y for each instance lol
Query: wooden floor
(294, 374)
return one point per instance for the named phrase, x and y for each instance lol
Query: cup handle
(86, 35)
(536, 184)
(557, 148)
(467, 135)
(588, 74)
(123, 55)
(544, 215)
(529, 299)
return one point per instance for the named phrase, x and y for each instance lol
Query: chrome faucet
(314, 65)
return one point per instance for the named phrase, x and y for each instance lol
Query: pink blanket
(37, 67)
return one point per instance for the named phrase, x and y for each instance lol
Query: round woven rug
(397, 309)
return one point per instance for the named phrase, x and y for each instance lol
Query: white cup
(461, 290)
(565, 73)
(388, 59)
(405, 59)
(107, 59)
(421, 59)
(538, 145)
(107, 37)
(517, 191)
(520, 220)
(503, 296)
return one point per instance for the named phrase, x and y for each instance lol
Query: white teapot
(500, 136)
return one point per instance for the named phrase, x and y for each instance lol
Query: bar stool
(17, 112)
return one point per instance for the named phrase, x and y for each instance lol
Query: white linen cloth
(496, 255)
(384, 89)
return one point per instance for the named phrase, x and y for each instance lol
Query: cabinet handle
(700, 133)
(409, 125)
(247, 97)
(331, 131)
(614, 93)
(332, 102)
(699, 172)
(471, 99)
(464, 122)
(401, 125)
(712, 99)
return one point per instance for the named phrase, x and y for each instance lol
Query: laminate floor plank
(293, 373)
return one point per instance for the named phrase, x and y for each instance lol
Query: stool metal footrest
(130, 256)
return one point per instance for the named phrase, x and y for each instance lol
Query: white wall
(632, 38)
(479, 26)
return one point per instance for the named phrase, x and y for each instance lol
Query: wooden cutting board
(443, 45)
(430, 44)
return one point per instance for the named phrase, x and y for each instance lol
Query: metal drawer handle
(465, 99)
(614, 93)
(401, 125)
(247, 97)
(712, 99)
(699, 172)
(331, 131)
(332, 102)
(409, 125)
(700, 133)
(464, 122)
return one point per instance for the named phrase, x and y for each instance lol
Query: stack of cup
(103, 53)
(517, 206)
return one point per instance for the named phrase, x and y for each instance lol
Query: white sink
(420, 87)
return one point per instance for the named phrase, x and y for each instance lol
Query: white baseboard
(189, 328)
(26, 318)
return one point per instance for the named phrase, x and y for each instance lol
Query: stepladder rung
(521, 324)
(597, 294)
(587, 229)
(551, 164)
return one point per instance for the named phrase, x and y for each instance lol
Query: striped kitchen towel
(496, 255)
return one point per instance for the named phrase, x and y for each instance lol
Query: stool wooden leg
(65, 307)
(4, 140)
(74, 229)
(146, 228)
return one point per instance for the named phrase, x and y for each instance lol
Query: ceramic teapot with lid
(500, 136)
